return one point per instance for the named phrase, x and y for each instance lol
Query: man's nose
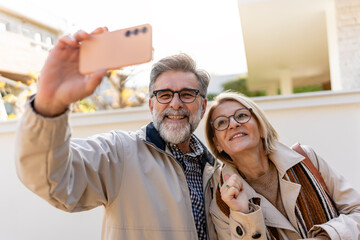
(176, 102)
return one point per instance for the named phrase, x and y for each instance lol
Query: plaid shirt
(191, 165)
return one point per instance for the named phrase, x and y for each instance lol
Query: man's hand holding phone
(113, 50)
(64, 80)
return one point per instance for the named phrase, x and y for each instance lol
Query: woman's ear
(217, 145)
(261, 132)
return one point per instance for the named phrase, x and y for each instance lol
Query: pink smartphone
(113, 50)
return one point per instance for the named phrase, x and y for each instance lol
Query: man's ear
(204, 104)
(151, 106)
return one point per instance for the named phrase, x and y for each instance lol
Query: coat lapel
(284, 158)
(272, 216)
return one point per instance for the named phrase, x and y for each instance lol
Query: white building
(25, 39)
(301, 42)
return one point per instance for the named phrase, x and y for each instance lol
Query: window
(26, 32)
(49, 41)
(3, 26)
(37, 37)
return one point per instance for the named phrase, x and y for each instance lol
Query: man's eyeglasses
(242, 115)
(186, 95)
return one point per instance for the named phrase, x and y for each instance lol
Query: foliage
(13, 95)
(125, 97)
(311, 88)
(84, 105)
(111, 94)
(239, 84)
(211, 96)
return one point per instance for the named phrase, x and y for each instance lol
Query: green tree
(239, 84)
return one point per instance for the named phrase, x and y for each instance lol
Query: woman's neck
(251, 164)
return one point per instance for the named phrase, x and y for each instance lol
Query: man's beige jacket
(132, 174)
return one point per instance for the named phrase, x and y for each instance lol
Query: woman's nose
(233, 123)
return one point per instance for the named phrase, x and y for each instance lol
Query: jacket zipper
(183, 170)
(206, 186)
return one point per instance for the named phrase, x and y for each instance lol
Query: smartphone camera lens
(136, 31)
(144, 30)
(128, 33)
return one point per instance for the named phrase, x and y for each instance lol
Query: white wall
(328, 121)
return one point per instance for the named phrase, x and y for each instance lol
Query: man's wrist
(47, 109)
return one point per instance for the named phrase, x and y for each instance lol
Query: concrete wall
(328, 121)
(348, 31)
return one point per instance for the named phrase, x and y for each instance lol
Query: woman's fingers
(230, 194)
(226, 177)
(233, 195)
(233, 181)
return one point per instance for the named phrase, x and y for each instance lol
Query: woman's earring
(217, 145)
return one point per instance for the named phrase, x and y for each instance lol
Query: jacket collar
(283, 158)
(153, 136)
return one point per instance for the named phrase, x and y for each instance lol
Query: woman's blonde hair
(266, 129)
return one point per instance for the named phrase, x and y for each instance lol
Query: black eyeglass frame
(196, 91)
(233, 116)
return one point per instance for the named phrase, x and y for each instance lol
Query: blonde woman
(266, 191)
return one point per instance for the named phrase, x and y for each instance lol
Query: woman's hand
(233, 194)
(60, 82)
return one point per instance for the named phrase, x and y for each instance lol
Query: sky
(207, 30)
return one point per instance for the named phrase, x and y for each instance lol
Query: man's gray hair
(179, 62)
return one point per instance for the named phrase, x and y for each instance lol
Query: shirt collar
(195, 146)
(153, 136)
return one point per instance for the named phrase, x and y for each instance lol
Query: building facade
(291, 43)
(26, 37)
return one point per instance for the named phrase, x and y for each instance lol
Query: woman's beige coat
(347, 200)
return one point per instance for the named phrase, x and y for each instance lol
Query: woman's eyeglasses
(242, 115)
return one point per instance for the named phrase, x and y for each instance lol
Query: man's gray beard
(174, 133)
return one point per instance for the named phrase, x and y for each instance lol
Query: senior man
(154, 183)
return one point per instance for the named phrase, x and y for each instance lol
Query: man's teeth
(176, 117)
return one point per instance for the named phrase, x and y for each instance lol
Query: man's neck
(185, 146)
